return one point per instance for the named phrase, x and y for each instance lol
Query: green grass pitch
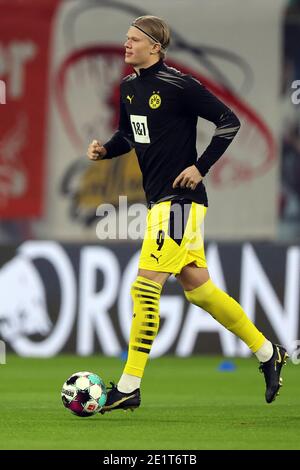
(186, 404)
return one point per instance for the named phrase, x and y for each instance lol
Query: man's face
(138, 48)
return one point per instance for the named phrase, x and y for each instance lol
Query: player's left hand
(188, 178)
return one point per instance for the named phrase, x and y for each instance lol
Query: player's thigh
(191, 276)
(160, 252)
(194, 272)
(155, 276)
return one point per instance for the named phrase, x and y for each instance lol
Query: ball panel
(68, 392)
(82, 383)
(82, 396)
(76, 407)
(91, 407)
(66, 402)
(71, 380)
(95, 391)
(94, 379)
(102, 399)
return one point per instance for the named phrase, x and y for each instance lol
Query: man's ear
(155, 49)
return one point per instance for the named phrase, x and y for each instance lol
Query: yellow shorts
(174, 236)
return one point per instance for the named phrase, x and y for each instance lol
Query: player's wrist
(200, 174)
(201, 169)
(103, 151)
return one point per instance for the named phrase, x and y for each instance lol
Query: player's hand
(96, 151)
(188, 178)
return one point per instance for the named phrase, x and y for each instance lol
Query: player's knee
(190, 296)
(201, 295)
(143, 286)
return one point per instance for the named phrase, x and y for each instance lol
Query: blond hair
(157, 30)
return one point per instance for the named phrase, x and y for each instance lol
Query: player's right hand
(96, 151)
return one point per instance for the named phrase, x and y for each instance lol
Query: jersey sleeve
(198, 100)
(122, 141)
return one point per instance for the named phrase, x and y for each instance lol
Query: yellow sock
(145, 322)
(226, 311)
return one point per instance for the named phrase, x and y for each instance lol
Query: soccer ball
(84, 394)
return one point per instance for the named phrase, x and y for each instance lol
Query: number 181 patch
(140, 129)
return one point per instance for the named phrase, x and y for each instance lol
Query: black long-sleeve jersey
(159, 109)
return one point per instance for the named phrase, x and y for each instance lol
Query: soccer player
(159, 108)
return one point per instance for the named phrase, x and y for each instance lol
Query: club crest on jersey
(154, 101)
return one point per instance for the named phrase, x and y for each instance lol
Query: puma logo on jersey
(156, 257)
(129, 98)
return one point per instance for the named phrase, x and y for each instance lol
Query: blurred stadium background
(62, 290)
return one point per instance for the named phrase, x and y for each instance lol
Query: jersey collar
(152, 69)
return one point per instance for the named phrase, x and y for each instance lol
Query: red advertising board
(25, 36)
